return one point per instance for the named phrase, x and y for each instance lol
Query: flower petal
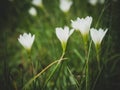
(97, 35)
(26, 40)
(83, 24)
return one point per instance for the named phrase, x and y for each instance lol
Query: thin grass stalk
(87, 66)
(46, 68)
(61, 58)
(99, 73)
(77, 83)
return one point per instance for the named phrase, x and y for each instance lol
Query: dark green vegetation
(15, 67)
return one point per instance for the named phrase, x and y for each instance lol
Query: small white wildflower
(93, 2)
(32, 11)
(65, 5)
(63, 35)
(26, 40)
(83, 25)
(37, 3)
(97, 35)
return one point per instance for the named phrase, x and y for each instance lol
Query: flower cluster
(64, 6)
(38, 3)
(83, 25)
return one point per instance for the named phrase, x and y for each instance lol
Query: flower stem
(61, 58)
(87, 65)
(86, 68)
(98, 58)
(46, 68)
(77, 83)
(97, 79)
(86, 74)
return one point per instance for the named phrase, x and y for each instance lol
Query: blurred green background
(15, 20)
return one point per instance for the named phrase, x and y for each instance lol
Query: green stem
(46, 68)
(58, 74)
(86, 74)
(32, 67)
(86, 71)
(77, 83)
(101, 14)
(87, 65)
(45, 11)
(98, 58)
(61, 58)
(96, 79)
(86, 68)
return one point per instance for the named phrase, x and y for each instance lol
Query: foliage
(18, 67)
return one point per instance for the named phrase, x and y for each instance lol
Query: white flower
(32, 11)
(63, 35)
(65, 5)
(26, 40)
(97, 35)
(93, 2)
(37, 3)
(83, 25)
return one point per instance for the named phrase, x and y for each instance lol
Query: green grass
(18, 71)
